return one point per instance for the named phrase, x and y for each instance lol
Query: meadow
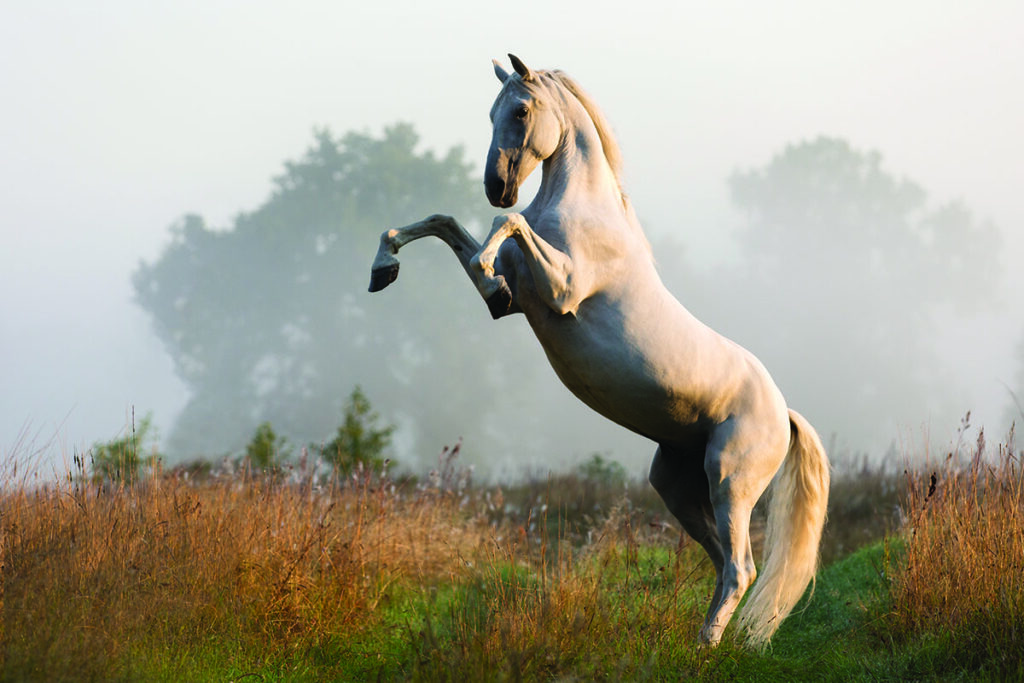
(221, 573)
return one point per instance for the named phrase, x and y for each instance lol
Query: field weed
(961, 582)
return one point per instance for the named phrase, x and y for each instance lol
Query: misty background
(192, 196)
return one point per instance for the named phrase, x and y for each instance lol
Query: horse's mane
(610, 147)
(604, 131)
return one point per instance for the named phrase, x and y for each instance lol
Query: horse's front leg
(384, 271)
(385, 266)
(555, 276)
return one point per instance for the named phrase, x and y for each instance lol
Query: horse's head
(526, 131)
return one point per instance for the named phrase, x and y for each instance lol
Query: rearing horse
(576, 263)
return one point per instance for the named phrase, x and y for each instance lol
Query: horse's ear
(521, 69)
(499, 71)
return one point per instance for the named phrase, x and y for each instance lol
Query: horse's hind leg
(678, 476)
(740, 464)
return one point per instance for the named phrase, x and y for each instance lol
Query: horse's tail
(796, 516)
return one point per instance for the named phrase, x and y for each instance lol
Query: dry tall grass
(295, 575)
(604, 611)
(92, 572)
(105, 581)
(964, 566)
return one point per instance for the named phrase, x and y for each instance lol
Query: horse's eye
(521, 111)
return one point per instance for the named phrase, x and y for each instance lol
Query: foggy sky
(121, 117)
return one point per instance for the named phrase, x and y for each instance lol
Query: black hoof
(500, 303)
(382, 277)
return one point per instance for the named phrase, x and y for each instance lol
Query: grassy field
(229, 576)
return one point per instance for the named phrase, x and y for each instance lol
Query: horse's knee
(482, 264)
(508, 221)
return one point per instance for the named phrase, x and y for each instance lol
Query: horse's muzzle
(501, 192)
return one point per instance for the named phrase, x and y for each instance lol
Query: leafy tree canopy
(268, 319)
(845, 270)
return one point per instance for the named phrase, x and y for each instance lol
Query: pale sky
(121, 117)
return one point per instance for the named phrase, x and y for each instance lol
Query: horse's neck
(577, 179)
(578, 170)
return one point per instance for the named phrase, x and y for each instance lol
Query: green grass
(439, 635)
(839, 634)
(630, 631)
(642, 627)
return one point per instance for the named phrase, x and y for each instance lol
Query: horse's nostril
(496, 190)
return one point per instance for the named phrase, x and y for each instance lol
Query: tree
(822, 208)
(266, 450)
(359, 439)
(845, 271)
(270, 320)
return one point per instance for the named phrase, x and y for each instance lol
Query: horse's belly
(634, 411)
(614, 378)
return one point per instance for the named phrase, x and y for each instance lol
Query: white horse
(576, 263)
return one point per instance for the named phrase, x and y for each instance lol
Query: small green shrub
(600, 470)
(266, 450)
(359, 439)
(119, 460)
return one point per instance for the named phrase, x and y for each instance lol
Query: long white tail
(796, 516)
